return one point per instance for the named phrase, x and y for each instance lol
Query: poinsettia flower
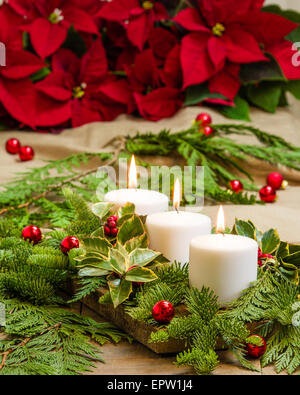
(216, 36)
(16, 89)
(136, 17)
(13, 34)
(89, 92)
(159, 103)
(48, 22)
(261, 25)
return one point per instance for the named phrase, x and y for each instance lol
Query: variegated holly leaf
(137, 242)
(283, 250)
(118, 261)
(129, 208)
(244, 228)
(292, 259)
(102, 209)
(133, 227)
(120, 289)
(97, 245)
(140, 274)
(92, 272)
(142, 256)
(270, 242)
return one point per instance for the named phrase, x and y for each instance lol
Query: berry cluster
(13, 147)
(205, 121)
(110, 227)
(262, 257)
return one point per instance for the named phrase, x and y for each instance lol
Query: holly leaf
(293, 259)
(244, 228)
(102, 209)
(198, 93)
(133, 227)
(142, 256)
(129, 208)
(266, 95)
(92, 272)
(119, 290)
(270, 241)
(97, 245)
(140, 274)
(137, 242)
(283, 250)
(240, 110)
(118, 261)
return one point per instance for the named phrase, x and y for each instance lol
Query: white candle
(171, 232)
(146, 202)
(223, 262)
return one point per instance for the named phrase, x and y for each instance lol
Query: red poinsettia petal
(51, 112)
(172, 73)
(195, 60)
(94, 64)
(217, 51)
(84, 112)
(21, 64)
(145, 69)
(58, 85)
(80, 19)
(64, 60)
(242, 47)
(161, 42)
(119, 91)
(18, 98)
(118, 10)
(138, 30)
(160, 12)
(226, 82)
(190, 19)
(267, 28)
(160, 103)
(46, 37)
(287, 56)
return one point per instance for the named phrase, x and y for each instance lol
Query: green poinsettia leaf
(133, 227)
(270, 242)
(142, 256)
(92, 272)
(140, 274)
(98, 245)
(266, 95)
(196, 94)
(261, 71)
(240, 110)
(137, 242)
(129, 208)
(244, 228)
(120, 290)
(102, 209)
(118, 261)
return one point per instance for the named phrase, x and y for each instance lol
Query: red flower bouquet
(80, 61)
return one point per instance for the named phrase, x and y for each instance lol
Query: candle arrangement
(171, 232)
(146, 202)
(226, 263)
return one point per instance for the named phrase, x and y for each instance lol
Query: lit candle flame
(176, 195)
(220, 228)
(132, 174)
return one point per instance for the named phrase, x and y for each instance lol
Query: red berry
(68, 244)
(163, 311)
(26, 153)
(111, 224)
(236, 186)
(113, 218)
(267, 194)
(114, 232)
(255, 351)
(275, 180)
(13, 146)
(107, 231)
(208, 130)
(204, 119)
(32, 233)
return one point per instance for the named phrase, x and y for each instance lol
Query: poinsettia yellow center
(78, 91)
(218, 29)
(56, 16)
(147, 5)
